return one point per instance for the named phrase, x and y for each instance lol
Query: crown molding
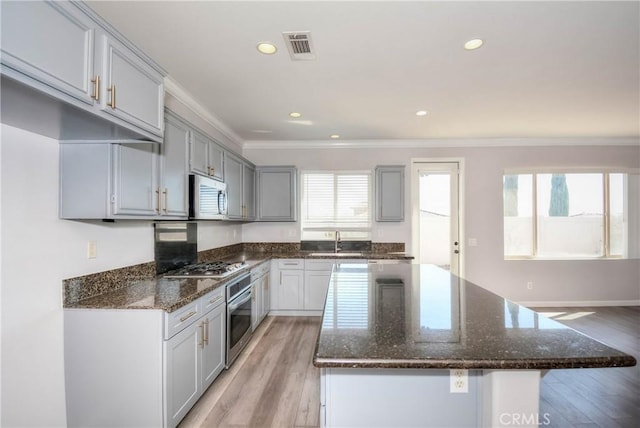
(181, 94)
(443, 143)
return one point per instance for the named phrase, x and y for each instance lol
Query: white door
(436, 217)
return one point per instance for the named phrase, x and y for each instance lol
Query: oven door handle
(240, 301)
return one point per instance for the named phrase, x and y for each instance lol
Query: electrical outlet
(92, 249)
(458, 381)
(530, 285)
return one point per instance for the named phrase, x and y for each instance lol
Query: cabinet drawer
(213, 299)
(324, 265)
(259, 270)
(177, 321)
(291, 264)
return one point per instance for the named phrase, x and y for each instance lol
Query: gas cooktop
(217, 269)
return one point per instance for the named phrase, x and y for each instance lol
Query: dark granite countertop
(420, 316)
(138, 288)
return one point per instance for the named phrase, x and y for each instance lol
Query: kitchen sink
(337, 254)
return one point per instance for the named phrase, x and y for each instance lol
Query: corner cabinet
(389, 193)
(277, 193)
(119, 181)
(240, 180)
(63, 54)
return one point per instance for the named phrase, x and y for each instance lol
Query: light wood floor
(274, 384)
(605, 398)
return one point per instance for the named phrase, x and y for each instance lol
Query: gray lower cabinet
(193, 359)
(240, 180)
(68, 53)
(162, 362)
(389, 203)
(109, 181)
(206, 157)
(260, 298)
(277, 193)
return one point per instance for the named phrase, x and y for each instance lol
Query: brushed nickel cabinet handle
(96, 88)
(112, 98)
(159, 201)
(215, 300)
(186, 317)
(205, 338)
(201, 327)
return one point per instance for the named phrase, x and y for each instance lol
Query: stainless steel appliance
(217, 269)
(238, 316)
(207, 198)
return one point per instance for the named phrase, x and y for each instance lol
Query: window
(577, 215)
(336, 201)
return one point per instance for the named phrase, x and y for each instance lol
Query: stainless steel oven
(238, 316)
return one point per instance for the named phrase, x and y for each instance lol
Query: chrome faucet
(337, 242)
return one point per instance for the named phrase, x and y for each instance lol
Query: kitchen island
(412, 345)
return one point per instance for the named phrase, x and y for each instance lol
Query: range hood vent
(299, 45)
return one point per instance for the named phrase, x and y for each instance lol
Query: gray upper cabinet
(390, 193)
(206, 157)
(233, 178)
(174, 171)
(74, 65)
(277, 193)
(33, 34)
(133, 181)
(131, 89)
(240, 180)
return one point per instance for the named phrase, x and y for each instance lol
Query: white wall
(561, 282)
(38, 251)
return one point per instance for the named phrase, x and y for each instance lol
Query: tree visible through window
(576, 215)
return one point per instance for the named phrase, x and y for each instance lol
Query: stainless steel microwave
(207, 198)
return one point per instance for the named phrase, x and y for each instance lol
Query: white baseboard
(578, 303)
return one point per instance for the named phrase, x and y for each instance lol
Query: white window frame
(606, 210)
(331, 230)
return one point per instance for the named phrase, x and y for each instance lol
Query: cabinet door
(390, 193)
(316, 284)
(216, 161)
(135, 186)
(277, 194)
(256, 300)
(213, 353)
(198, 154)
(249, 192)
(266, 297)
(182, 373)
(52, 42)
(174, 176)
(291, 290)
(132, 90)
(233, 175)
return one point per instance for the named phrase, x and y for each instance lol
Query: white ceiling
(547, 69)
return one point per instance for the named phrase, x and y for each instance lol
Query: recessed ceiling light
(335, 136)
(421, 113)
(295, 114)
(266, 48)
(473, 44)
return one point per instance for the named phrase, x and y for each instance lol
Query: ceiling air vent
(299, 45)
